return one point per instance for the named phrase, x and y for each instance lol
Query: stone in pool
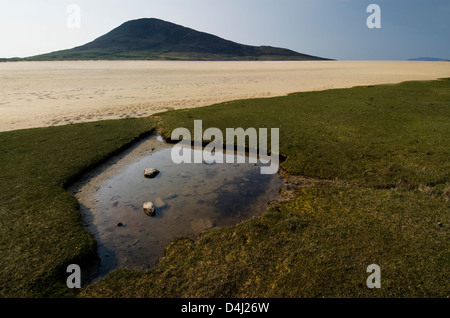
(149, 208)
(151, 173)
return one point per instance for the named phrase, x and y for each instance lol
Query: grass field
(378, 169)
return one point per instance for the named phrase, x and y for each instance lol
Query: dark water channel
(189, 199)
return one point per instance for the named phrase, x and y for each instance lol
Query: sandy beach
(36, 94)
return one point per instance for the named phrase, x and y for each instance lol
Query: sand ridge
(37, 94)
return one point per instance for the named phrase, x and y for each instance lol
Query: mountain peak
(155, 39)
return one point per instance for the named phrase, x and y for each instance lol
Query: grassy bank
(40, 228)
(384, 150)
(378, 163)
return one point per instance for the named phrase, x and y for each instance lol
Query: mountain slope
(156, 39)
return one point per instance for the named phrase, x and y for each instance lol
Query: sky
(335, 29)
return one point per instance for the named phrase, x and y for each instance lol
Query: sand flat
(36, 94)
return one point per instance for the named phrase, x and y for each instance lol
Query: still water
(189, 199)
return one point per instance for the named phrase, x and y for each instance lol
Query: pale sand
(35, 94)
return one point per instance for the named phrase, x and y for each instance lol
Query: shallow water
(189, 199)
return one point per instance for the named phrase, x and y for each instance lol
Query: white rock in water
(149, 208)
(151, 173)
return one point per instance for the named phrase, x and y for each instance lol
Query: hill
(154, 39)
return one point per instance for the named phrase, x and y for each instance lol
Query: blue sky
(328, 28)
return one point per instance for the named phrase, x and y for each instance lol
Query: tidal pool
(189, 199)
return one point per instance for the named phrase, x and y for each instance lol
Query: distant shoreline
(249, 59)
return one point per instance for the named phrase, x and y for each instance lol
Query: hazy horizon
(333, 29)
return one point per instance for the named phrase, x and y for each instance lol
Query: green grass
(378, 136)
(318, 245)
(40, 228)
(378, 158)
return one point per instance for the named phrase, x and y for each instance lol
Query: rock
(149, 208)
(151, 173)
(120, 224)
(159, 203)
